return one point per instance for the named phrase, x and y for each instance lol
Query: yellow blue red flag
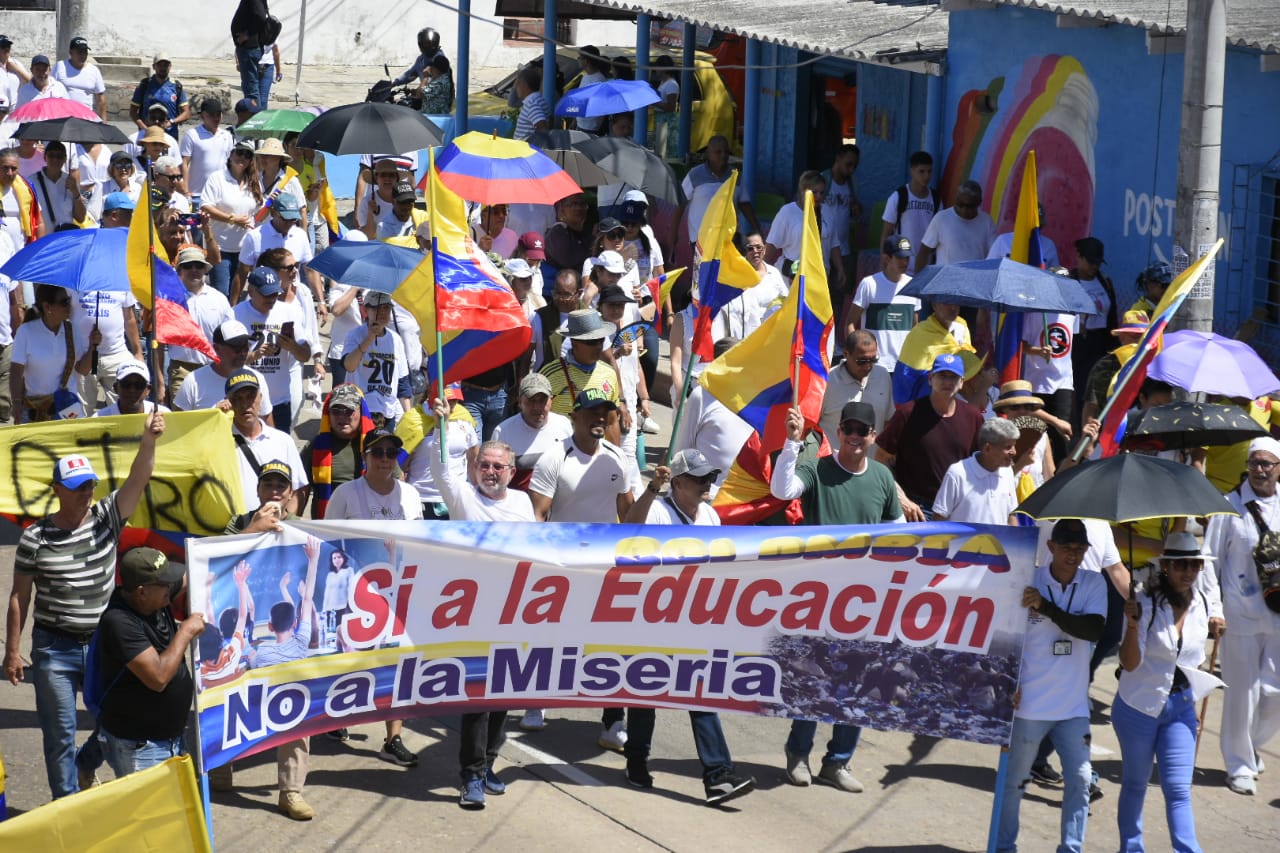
(724, 273)
(1025, 250)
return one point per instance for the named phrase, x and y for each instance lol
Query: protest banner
(913, 628)
(195, 487)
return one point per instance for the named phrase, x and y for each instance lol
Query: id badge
(1061, 647)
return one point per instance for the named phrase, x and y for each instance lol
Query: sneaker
(471, 797)
(1095, 792)
(638, 773)
(1242, 784)
(532, 721)
(221, 778)
(649, 426)
(838, 775)
(86, 778)
(1259, 763)
(727, 786)
(798, 770)
(492, 784)
(340, 735)
(395, 751)
(293, 806)
(614, 737)
(1045, 774)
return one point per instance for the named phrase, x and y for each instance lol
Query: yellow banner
(153, 809)
(195, 487)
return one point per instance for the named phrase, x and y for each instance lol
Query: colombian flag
(263, 212)
(744, 497)
(927, 340)
(1026, 250)
(157, 287)
(1134, 369)
(459, 298)
(723, 274)
(786, 358)
(659, 288)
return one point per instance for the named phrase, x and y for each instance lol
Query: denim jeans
(221, 273)
(489, 408)
(708, 739)
(1172, 737)
(1071, 740)
(250, 74)
(266, 76)
(481, 739)
(127, 755)
(338, 371)
(282, 414)
(844, 740)
(57, 665)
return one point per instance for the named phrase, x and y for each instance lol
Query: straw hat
(272, 147)
(1017, 393)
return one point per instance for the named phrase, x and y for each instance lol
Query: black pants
(482, 737)
(1058, 404)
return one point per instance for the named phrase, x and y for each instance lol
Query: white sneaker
(532, 721)
(1242, 784)
(649, 426)
(614, 737)
(1259, 763)
(798, 772)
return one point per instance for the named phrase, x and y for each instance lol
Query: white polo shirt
(974, 495)
(1056, 687)
(581, 487)
(265, 237)
(270, 445)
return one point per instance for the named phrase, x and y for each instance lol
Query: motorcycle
(383, 92)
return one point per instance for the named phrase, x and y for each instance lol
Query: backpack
(95, 689)
(904, 199)
(1266, 558)
(270, 31)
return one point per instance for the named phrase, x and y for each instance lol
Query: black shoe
(395, 751)
(1045, 774)
(1095, 793)
(728, 786)
(340, 735)
(638, 773)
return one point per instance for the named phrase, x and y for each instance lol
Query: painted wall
(891, 118)
(1103, 117)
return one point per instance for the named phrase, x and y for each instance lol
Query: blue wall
(891, 119)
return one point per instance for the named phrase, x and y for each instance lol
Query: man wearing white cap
(132, 385)
(1251, 605)
(374, 358)
(69, 560)
(206, 387)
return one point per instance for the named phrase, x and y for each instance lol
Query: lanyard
(1070, 597)
(684, 519)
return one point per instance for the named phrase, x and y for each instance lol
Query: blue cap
(287, 206)
(265, 281)
(40, 59)
(118, 201)
(948, 363)
(245, 105)
(73, 471)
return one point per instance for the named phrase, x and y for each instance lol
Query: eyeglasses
(855, 428)
(134, 385)
(341, 411)
(192, 265)
(169, 176)
(755, 247)
(492, 466)
(383, 452)
(1261, 464)
(289, 268)
(864, 361)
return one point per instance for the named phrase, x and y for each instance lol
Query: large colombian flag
(1134, 370)
(1026, 250)
(724, 273)
(784, 359)
(156, 285)
(458, 293)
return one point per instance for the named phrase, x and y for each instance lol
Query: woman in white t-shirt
(231, 199)
(492, 234)
(41, 349)
(123, 176)
(666, 114)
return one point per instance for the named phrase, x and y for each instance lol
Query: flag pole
(432, 207)
(152, 346)
(684, 395)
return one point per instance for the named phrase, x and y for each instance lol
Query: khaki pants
(6, 404)
(178, 371)
(291, 764)
(104, 380)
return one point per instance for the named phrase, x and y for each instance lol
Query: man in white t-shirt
(587, 480)
(41, 84)
(703, 181)
(278, 329)
(374, 360)
(205, 148)
(841, 208)
(981, 488)
(910, 216)
(963, 232)
(786, 235)
(489, 498)
(113, 314)
(206, 387)
(879, 306)
(534, 429)
(82, 80)
(131, 389)
(257, 444)
(10, 69)
(206, 305)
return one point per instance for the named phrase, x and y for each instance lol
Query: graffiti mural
(1046, 104)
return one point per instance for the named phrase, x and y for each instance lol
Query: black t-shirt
(926, 444)
(130, 709)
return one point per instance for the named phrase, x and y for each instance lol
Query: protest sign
(913, 628)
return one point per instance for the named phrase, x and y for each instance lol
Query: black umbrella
(1187, 424)
(367, 128)
(72, 130)
(1126, 487)
(548, 139)
(635, 165)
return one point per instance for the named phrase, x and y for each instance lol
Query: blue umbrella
(1001, 285)
(85, 260)
(607, 98)
(373, 265)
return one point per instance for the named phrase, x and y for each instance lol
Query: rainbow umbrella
(491, 170)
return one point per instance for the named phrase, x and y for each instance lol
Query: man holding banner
(69, 560)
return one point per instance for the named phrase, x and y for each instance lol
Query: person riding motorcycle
(428, 47)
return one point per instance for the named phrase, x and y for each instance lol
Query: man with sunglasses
(859, 378)
(131, 388)
(847, 487)
(376, 210)
(69, 560)
(206, 387)
(167, 187)
(403, 217)
(963, 232)
(279, 333)
(206, 305)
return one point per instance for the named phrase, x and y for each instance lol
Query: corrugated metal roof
(857, 29)
(1250, 23)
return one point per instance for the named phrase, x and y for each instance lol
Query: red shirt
(926, 444)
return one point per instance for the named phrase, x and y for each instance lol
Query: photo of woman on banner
(337, 591)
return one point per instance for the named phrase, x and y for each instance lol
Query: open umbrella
(374, 265)
(558, 138)
(1188, 424)
(606, 98)
(1126, 487)
(1001, 285)
(72, 129)
(492, 170)
(276, 123)
(1211, 364)
(634, 164)
(84, 260)
(43, 108)
(579, 167)
(368, 128)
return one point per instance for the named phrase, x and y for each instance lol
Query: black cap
(211, 106)
(897, 247)
(609, 224)
(377, 435)
(241, 379)
(613, 294)
(5, 41)
(863, 413)
(1069, 531)
(404, 191)
(78, 43)
(278, 469)
(590, 398)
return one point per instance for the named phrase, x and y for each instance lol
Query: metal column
(462, 65)
(550, 25)
(689, 42)
(641, 132)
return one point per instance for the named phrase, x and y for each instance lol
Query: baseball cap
(132, 368)
(40, 59)
(535, 384)
(346, 395)
(1133, 321)
(404, 191)
(863, 413)
(231, 332)
(265, 281)
(158, 108)
(160, 57)
(5, 41)
(381, 435)
(73, 471)
(949, 363)
(453, 391)
(611, 261)
(286, 204)
(633, 211)
(146, 566)
(120, 157)
(609, 224)
(242, 379)
(590, 398)
(376, 298)
(637, 196)
(1069, 531)
(278, 468)
(897, 247)
(691, 462)
(118, 201)
(189, 254)
(612, 294)
(531, 242)
(211, 106)
(518, 268)
(78, 43)
(245, 105)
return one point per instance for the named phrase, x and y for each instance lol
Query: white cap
(132, 368)
(518, 268)
(355, 236)
(611, 261)
(635, 195)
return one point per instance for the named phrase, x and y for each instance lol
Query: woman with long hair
(45, 353)
(337, 591)
(231, 199)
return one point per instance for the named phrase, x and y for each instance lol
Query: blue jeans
(708, 739)
(266, 76)
(489, 408)
(1172, 737)
(247, 59)
(282, 414)
(221, 273)
(57, 665)
(1071, 739)
(126, 755)
(844, 740)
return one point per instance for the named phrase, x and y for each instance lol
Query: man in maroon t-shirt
(924, 437)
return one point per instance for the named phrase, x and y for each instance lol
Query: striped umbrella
(492, 170)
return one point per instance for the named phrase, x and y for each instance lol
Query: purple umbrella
(1211, 364)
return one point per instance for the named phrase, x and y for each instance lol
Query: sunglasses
(616, 235)
(192, 265)
(236, 347)
(864, 361)
(123, 167)
(65, 303)
(341, 411)
(857, 428)
(289, 268)
(383, 452)
(134, 385)
(1185, 565)
(704, 480)
(167, 175)
(492, 466)
(1261, 464)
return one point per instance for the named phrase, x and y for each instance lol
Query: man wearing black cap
(82, 80)
(879, 306)
(257, 443)
(846, 487)
(1067, 610)
(588, 481)
(142, 665)
(403, 218)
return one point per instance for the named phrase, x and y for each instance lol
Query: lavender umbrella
(1211, 364)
